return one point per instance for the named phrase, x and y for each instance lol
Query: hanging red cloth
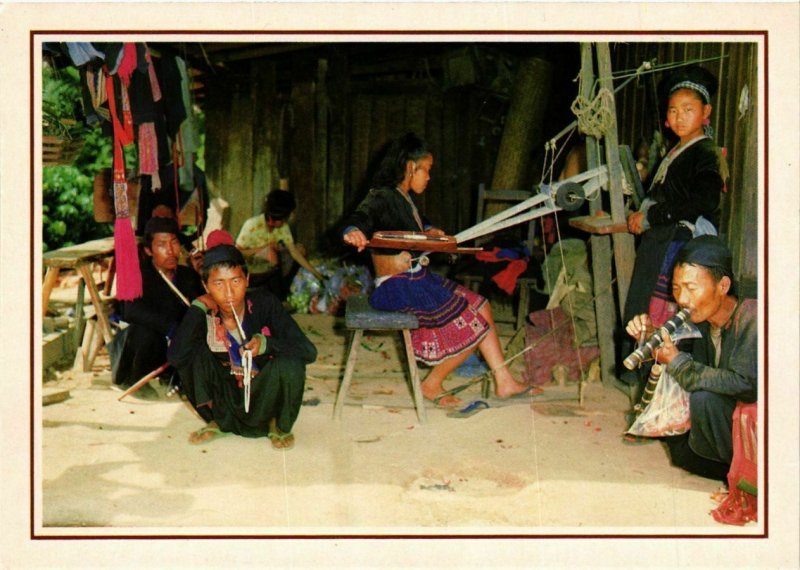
(126, 259)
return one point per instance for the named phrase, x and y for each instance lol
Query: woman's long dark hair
(393, 166)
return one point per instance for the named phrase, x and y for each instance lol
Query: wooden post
(84, 270)
(339, 142)
(50, 280)
(522, 131)
(624, 252)
(320, 175)
(601, 246)
(303, 163)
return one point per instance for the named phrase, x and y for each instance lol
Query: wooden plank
(624, 252)
(601, 250)
(597, 225)
(54, 395)
(93, 250)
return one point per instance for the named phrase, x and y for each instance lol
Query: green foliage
(67, 208)
(67, 201)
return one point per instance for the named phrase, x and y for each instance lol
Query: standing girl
(683, 198)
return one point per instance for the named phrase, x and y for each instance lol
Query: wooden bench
(80, 258)
(360, 316)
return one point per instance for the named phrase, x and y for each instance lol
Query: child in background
(268, 246)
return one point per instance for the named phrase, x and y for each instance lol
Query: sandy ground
(533, 467)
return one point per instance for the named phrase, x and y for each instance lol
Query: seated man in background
(155, 315)
(209, 348)
(723, 366)
(268, 246)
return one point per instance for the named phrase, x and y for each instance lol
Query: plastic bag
(668, 411)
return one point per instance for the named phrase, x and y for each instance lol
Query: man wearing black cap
(723, 366)
(240, 355)
(268, 246)
(155, 315)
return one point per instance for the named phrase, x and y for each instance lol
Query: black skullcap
(224, 253)
(161, 225)
(693, 77)
(709, 252)
(280, 203)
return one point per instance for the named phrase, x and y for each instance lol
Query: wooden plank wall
(735, 65)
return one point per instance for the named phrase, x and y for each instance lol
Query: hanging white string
(550, 173)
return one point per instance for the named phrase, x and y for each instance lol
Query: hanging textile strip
(129, 277)
(96, 81)
(148, 154)
(151, 71)
(127, 64)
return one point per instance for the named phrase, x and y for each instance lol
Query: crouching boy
(209, 351)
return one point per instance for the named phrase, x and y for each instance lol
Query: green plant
(68, 208)
(67, 200)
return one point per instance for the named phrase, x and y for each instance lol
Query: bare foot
(434, 394)
(448, 401)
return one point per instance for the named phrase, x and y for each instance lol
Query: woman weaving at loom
(453, 320)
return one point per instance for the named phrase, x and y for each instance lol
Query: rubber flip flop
(472, 409)
(276, 437)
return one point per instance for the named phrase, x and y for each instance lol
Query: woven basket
(58, 151)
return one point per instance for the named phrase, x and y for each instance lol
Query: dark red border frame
(484, 33)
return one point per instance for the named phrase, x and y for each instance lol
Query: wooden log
(522, 132)
(624, 252)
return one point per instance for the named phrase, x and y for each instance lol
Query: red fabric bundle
(506, 279)
(741, 504)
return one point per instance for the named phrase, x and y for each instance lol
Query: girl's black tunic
(691, 188)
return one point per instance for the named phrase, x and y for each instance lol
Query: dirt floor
(540, 466)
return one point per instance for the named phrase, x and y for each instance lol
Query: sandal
(630, 439)
(197, 437)
(279, 438)
(469, 410)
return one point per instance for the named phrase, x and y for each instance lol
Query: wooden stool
(360, 316)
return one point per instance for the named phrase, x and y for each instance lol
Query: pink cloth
(555, 348)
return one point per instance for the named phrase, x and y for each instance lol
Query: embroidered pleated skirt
(449, 316)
